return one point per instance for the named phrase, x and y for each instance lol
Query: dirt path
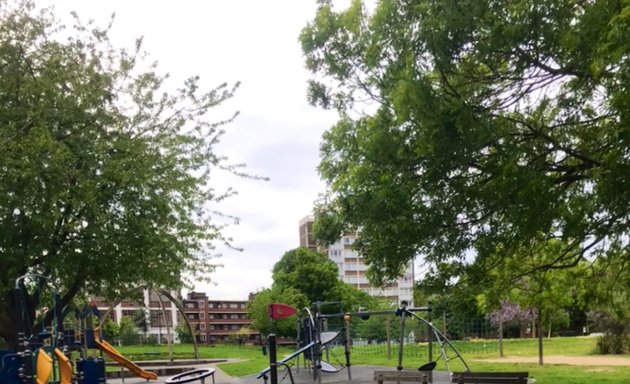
(602, 360)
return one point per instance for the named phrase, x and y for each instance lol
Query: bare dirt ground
(597, 361)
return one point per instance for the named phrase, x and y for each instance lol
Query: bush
(128, 332)
(611, 343)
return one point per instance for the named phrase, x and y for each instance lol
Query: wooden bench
(401, 376)
(489, 377)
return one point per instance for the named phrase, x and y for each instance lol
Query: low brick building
(217, 321)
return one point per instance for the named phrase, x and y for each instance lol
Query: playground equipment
(196, 374)
(44, 357)
(314, 340)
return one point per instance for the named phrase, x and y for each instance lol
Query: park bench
(489, 378)
(401, 376)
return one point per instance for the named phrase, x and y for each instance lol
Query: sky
(277, 133)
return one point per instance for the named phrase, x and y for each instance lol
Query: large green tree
(466, 125)
(104, 175)
(258, 310)
(310, 272)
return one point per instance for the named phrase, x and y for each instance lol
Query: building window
(233, 305)
(210, 316)
(234, 317)
(202, 337)
(202, 315)
(202, 326)
(202, 303)
(211, 327)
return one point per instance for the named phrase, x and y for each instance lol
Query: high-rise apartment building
(352, 267)
(306, 233)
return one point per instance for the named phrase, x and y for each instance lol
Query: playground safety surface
(361, 374)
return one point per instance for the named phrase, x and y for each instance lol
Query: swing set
(315, 342)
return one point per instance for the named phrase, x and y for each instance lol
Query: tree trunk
(540, 338)
(389, 338)
(500, 338)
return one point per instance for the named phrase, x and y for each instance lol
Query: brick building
(216, 321)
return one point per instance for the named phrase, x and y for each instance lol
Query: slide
(44, 367)
(65, 367)
(120, 359)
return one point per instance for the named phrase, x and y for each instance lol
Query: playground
(59, 354)
(80, 354)
(57, 351)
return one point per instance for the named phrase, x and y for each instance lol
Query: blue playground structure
(44, 357)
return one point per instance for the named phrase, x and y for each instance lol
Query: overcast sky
(277, 133)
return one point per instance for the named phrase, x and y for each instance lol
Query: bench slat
(401, 376)
(490, 377)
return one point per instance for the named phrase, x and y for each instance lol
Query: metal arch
(442, 339)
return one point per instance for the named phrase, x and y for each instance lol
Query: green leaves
(467, 127)
(104, 172)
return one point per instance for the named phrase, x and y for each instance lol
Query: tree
(611, 293)
(111, 330)
(381, 328)
(351, 298)
(183, 332)
(510, 314)
(309, 272)
(317, 277)
(104, 175)
(300, 278)
(523, 279)
(129, 333)
(257, 310)
(491, 124)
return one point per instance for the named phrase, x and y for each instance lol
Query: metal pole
(372, 313)
(273, 367)
(430, 316)
(401, 341)
(347, 346)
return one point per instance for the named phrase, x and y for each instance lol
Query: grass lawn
(473, 351)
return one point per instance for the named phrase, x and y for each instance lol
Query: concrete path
(360, 375)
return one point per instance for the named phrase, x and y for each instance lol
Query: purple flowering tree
(510, 314)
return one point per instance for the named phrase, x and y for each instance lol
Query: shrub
(613, 343)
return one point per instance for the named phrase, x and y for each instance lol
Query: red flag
(280, 311)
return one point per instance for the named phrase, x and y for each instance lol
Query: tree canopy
(301, 278)
(259, 313)
(469, 126)
(310, 272)
(104, 174)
